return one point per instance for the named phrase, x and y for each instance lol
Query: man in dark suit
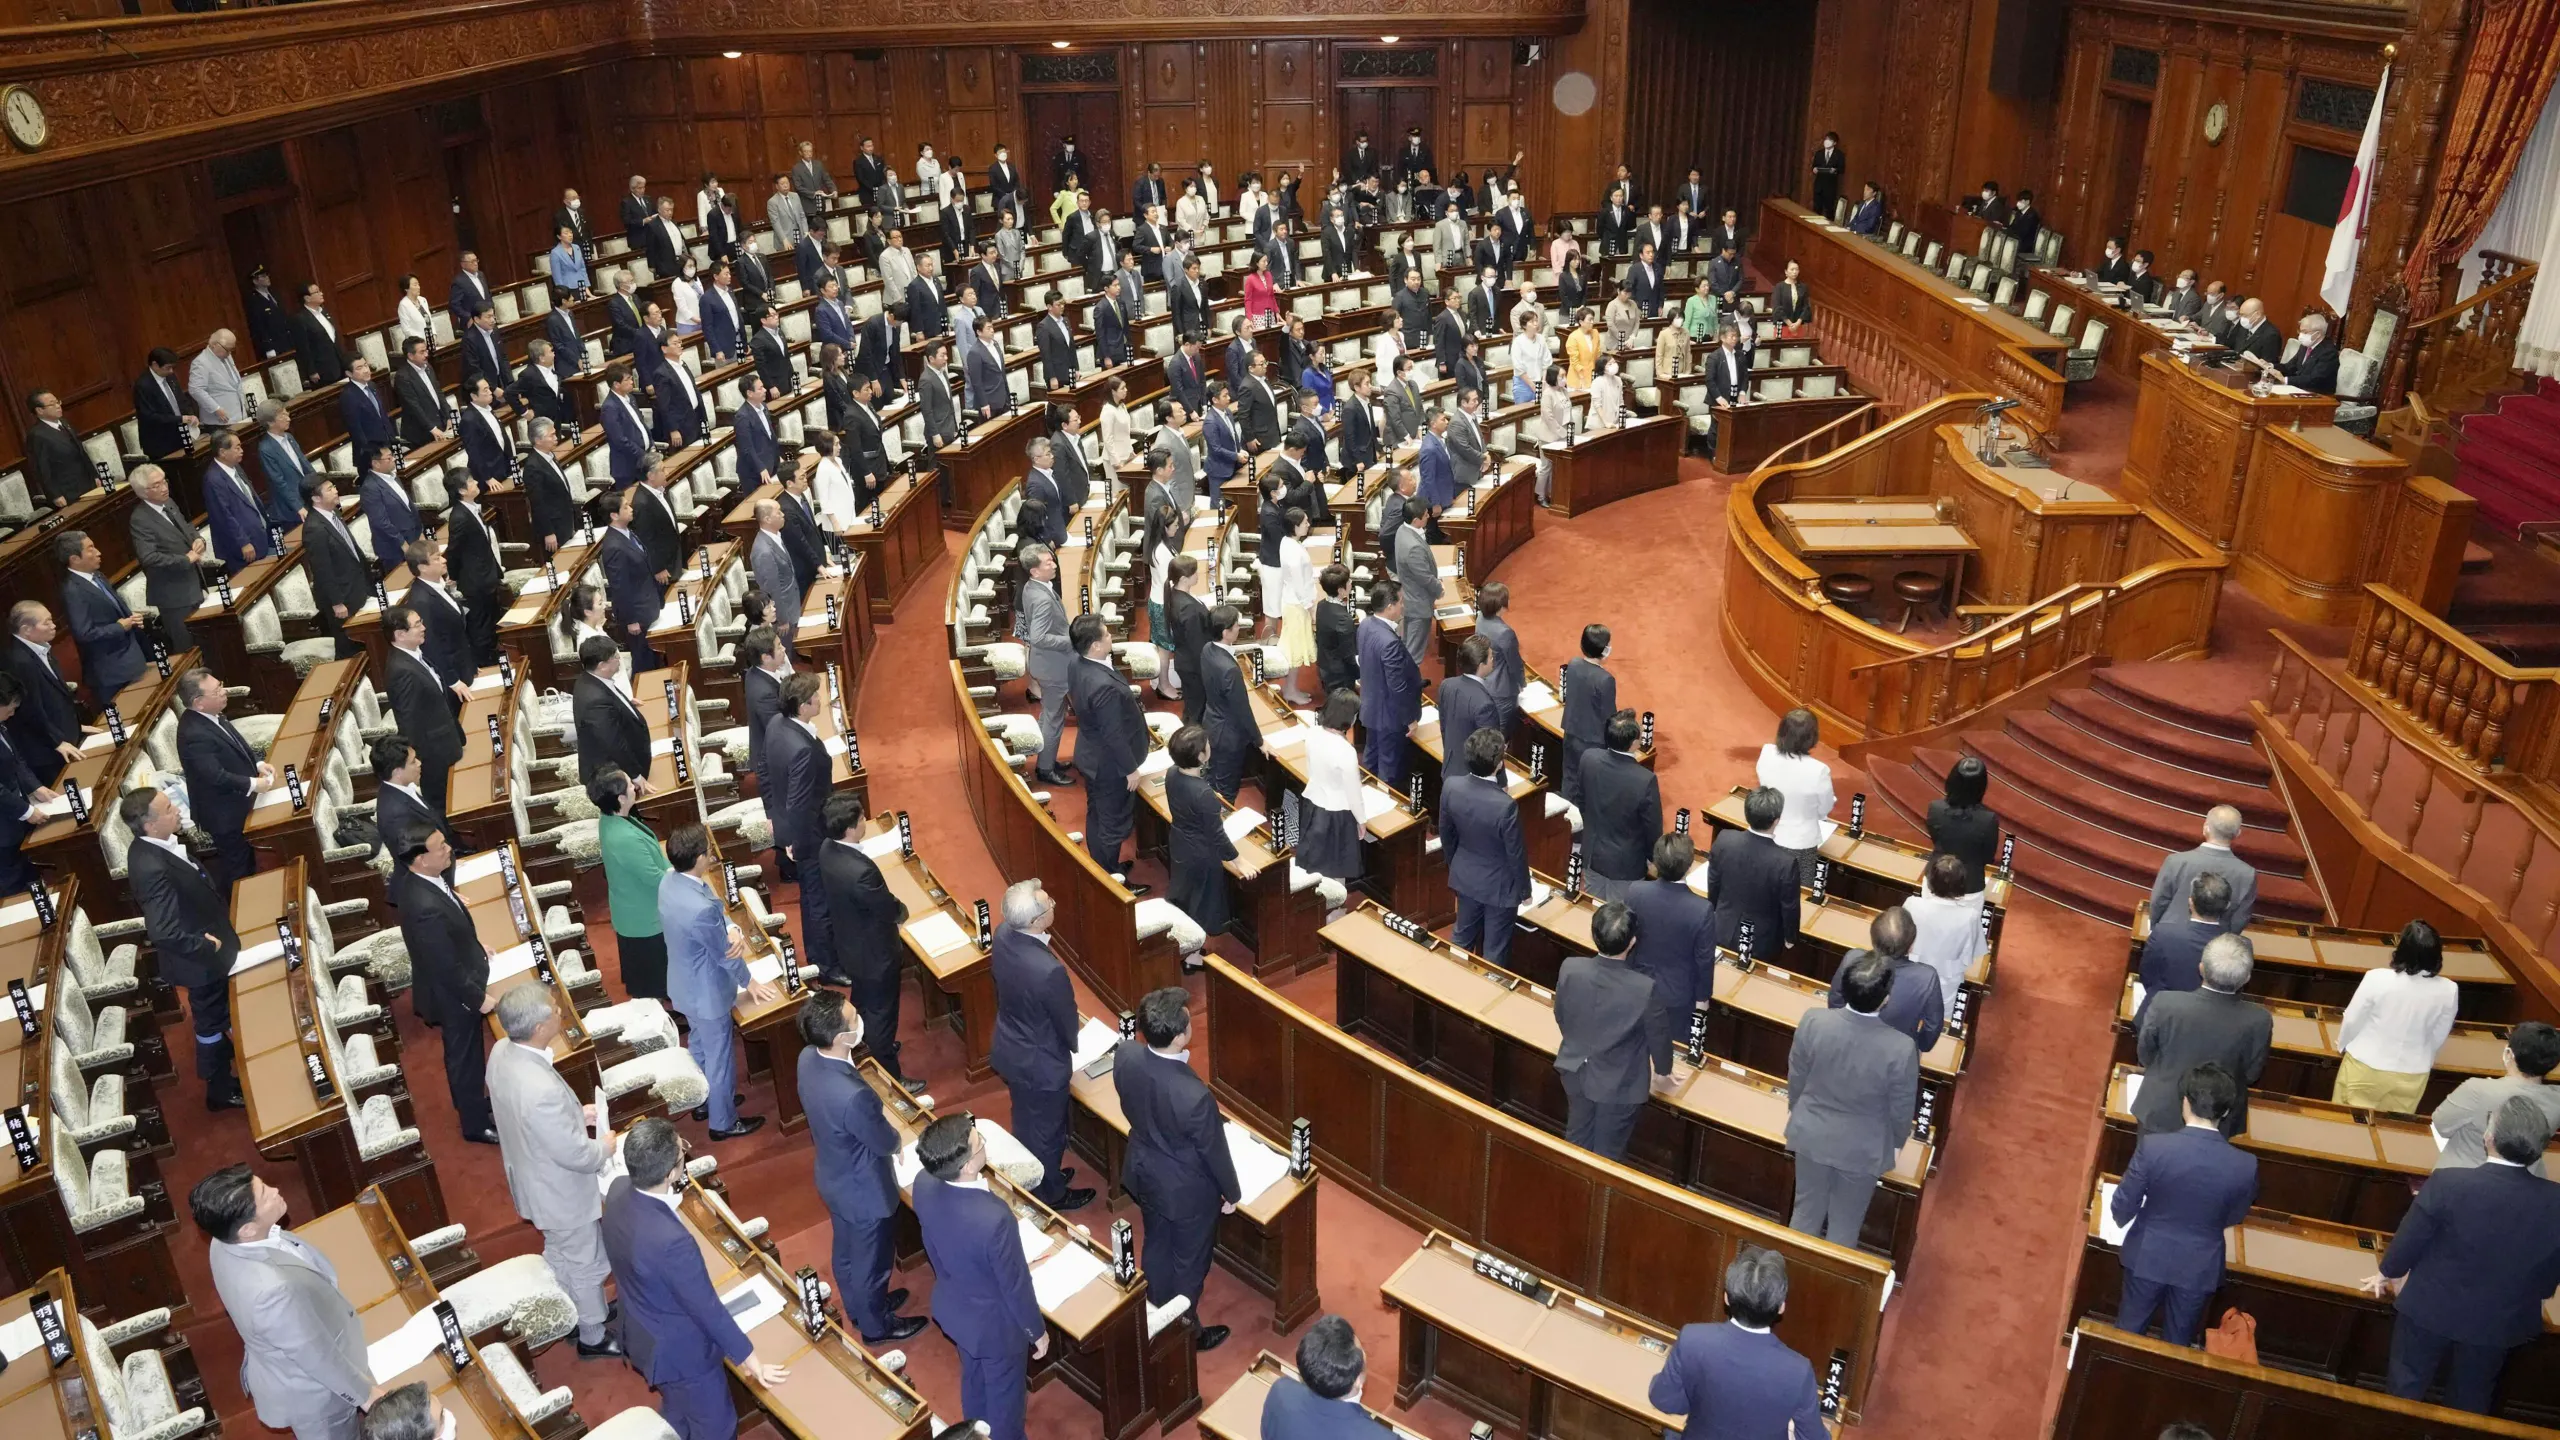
(448, 646)
(635, 211)
(1221, 438)
(1484, 302)
(772, 353)
(231, 508)
(1868, 218)
(316, 340)
(189, 922)
(46, 726)
(1621, 810)
(2183, 1190)
(1258, 406)
(802, 773)
(1481, 839)
(426, 711)
(421, 398)
(1675, 930)
(1057, 344)
(483, 353)
(471, 552)
(360, 408)
(1177, 1166)
(1853, 1088)
(107, 630)
(1390, 689)
(1187, 615)
(855, 1144)
(633, 584)
(1035, 1035)
(984, 388)
(1111, 325)
(389, 518)
(1590, 698)
(654, 521)
(556, 517)
(1916, 1005)
(537, 385)
(863, 917)
(224, 776)
(2184, 1029)
(1613, 1035)
(1753, 882)
(2115, 266)
(626, 325)
(1738, 1378)
(611, 732)
(1467, 704)
(884, 344)
(451, 989)
(1341, 245)
(20, 794)
(1111, 743)
(663, 240)
(401, 810)
(1413, 311)
(1226, 711)
(982, 1295)
(2250, 334)
(2024, 224)
(1448, 335)
(2173, 954)
(674, 1327)
(1360, 447)
(2314, 367)
(158, 401)
(1188, 302)
(751, 434)
(801, 534)
(2473, 1262)
(341, 577)
(1322, 1401)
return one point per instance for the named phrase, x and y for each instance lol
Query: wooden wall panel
(1484, 134)
(1288, 71)
(1721, 89)
(1289, 138)
(722, 87)
(1168, 73)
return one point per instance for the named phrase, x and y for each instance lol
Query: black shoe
(894, 1299)
(481, 1137)
(1133, 887)
(914, 1084)
(1059, 777)
(1073, 1200)
(747, 1125)
(1066, 1174)
(227, 1098)
(702, 1112)
(900, 1328)
(1208, 1337)
(837, 981)
(606, 1349)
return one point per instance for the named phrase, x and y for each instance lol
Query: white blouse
(1608, 401)
(2397, 1021)
(1115, 436)
(1806, 782)
(837, 498)
(1947, 936)
(1158, 565)
(1297, 576)
(417, 318)
(688, 294)
(1192, 214)
(1530, 356)
(1333, 773)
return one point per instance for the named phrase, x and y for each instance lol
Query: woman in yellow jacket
(1582, 352)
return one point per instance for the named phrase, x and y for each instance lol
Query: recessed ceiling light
(1057, 44)
(731, 54)
(1390, 39)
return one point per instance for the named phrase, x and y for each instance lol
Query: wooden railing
(2482, 713)
(1866, 417)
(1925, 691)
(2464, 353)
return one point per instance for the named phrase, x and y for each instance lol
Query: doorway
(267, 231)
(1093, 117)
(1386, 112)
(2119, 188)
(479, 218)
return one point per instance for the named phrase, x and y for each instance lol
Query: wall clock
(24, 115)
(2217, 119)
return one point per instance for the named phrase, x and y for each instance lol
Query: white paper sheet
(752, 1303)
(2138, 993)
(403, 1349)
(1061, 1275)
(1430, 715)
(813, 620)
(1157, 762)
(19, 1336)
(60, 805)
(604, 1114)
(23, 910)
(253, 956)
(938, 933)
(834, 745)
(2108, 1229)
(1697, 877)
(478, 867)
(2132, 1090)
(487, 682)
(1258, 1166)
(1448, 572)
(765, 971)
(511, 962)
(281, 795)
(98, 741)
(1539, 893)
(880, 846)
(1242, 821)
(1536, 695)
(663, 747)
(1093, 1040)
(1374, 802)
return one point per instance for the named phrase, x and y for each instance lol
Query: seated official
(1621, 810)
(2314, 366)
(2461, 1123)
(2472, 1263)
(2187, 1028)
(2184, 1189)
(1917, 1007)
(680, 1337)
(1738, 1380)
(1947, 932)
(1853, 1091)
(1178, 1167)
(1322, 1401)
(2174, 951)
(1613, 1043)
(2222, 826)
(982, 1295)
(1751, 880)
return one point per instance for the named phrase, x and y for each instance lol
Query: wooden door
(1093, 117)
(2120, 184)
(1386, 112)
(479, 216)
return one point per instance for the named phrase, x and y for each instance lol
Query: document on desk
(752, 1303)
(1063, 1273)
(938, 933)
(766, 970)
(1093, 1041)
(60, 805)
(663, 747)
(280, 795)
(511, 962)
(253, 956)
(2108, 1229)
(405, 1348)
(882, 845)
(487, 682)
(1430, 715)
(98, 741)
(478, 867)
(1242, 821)
(1258, 1166)
(18, 1337)
(2132, 1089)
(906, 1167)
(23, 910)
(1536, 695)
(1157, 762)
(1374, 802)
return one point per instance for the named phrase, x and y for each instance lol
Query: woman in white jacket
(2395, 1024)
(1116, 452)
(839, 500)
(1787, 764)
(417, 317)
(1608, 397)
(1328, 839)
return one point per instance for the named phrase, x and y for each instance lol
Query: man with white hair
(2186, 1028)
(213, 378)
(770, 560)
(2221, 829)
(1035, 1037)
(2314, 365)
(553, 1151)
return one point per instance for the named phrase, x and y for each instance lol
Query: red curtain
(2515, 50)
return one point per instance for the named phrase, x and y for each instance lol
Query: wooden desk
(2323, 964)
(1440, 1159)
(1237, 1414)
(303, 742)
(220, 628)
(1877, 539)
(957, 985)
(1396, 866)
(1268, 1242)
(1099, 1341)
(985, 459)
(64, 846)
(1490, 1034)
(1870, 868)
(1493, 518)
(1547, 1370)
(1747, 435)
(1753, 1020)
(2304, 1058)
(526, 628)
(2129, 1387)
(40, 1400)
(1599, 466)
(2298, 1277)
(29, 569)
(2131, 333)
(1877, 302)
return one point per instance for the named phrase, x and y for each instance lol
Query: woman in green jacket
(633, 861)
(1698, 317)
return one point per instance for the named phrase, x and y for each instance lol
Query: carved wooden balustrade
(2486, 715)
(2464, 354)
(1925, 691)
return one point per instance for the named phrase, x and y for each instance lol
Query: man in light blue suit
(706, 968)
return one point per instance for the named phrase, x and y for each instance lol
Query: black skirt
(1200, 891)
(644, 966)
(1328, 842)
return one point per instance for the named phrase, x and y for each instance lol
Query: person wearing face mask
(687, 291)
(1985, 202)
(2183, 299)
(2253, 337)
(1608, 408)
(2144, 284)
(2115, 269)
(2314, 365)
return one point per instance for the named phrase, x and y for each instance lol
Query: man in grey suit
(553, 1155)
(770, 560)
(809, 178)
(2221, 827)
(1040, 622)
(1419, 573)
(784, 212)
(2461, 1123)
(1613, 1036)
(1184, 483)
(1403, 399)
(1466, 441)
(302, 1348)
(2186, 1028)
(171, 552)
(1853, 1086)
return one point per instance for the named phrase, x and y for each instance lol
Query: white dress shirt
(2397, 1021)
(1333, 773)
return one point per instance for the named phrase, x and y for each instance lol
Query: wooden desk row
(2323, 964)
(2304, 1058)
(70, 847)
(2129, 1387)
(45, 1398)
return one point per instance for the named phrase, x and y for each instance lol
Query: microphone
(2000, 406)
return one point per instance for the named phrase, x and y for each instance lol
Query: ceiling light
(731, 54)
(1057, 44)
(1390, 39)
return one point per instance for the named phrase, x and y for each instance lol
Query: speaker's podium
(2309, 513)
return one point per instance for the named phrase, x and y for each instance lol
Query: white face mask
(2308, 337)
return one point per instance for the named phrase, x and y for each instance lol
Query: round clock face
(2216, 120)
(25, 117)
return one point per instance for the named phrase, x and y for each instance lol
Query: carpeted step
(2501, 508)
(2518, 587)
(2535, 412)
(2064, 882)
(2109, 766)
(2154, 737)
(2025, 781)
(2523, 645)
(2166, 693)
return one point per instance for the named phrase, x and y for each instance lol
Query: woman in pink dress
(1261, 297)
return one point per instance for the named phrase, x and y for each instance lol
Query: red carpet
(2510, 457)
(2000, 1231)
